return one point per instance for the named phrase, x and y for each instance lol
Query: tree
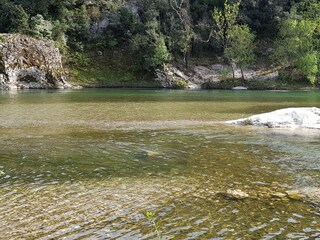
(236, 41)
(19, 20)
(184, 32)
(13, 18)
(296, 47)
(150, 43)
(224, 21)
(264, 17)
(157, 55)
(240, 47)
(41, 28)
(78, 28)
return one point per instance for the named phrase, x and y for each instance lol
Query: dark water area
(89, 164)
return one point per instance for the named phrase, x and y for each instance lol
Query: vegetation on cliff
(144, 34)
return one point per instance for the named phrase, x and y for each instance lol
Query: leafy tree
(41, 28)
(296, 47)
(19, 20)
(235, 40)
(184, 33)
(128, 23)
(78, 28)
(309, 9)
(264, 17)
(13, 18)
(224, 21)
(241, 46)
(157, 55)
(150, 43)
(59, 35)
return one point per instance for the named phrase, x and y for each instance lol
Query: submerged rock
(278, 195)
(29, 63)
(236, 194)
(151, 154)
(295, 195)
(284, 118)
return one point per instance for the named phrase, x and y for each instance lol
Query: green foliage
(59, 35)
(224, 22)
(156, 30)
(309, 9)
(157, 54)
(264, 17)
(41, 28)
(308, 64)
(150, 43)
(297, 47)
(108, 40)
(240, 46)
(151, 216)
(19, 20)
(78, 28)
(2, 39)
(78, 59)
(13, 18)
(181, 84)
(226, 73)
(128, 23)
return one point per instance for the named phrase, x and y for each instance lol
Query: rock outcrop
(285, 118)
(29, 63)
(208, 76)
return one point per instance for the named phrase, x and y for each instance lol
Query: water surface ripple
(88, 165)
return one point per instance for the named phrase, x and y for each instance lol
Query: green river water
(89, 164)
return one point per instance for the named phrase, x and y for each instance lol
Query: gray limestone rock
(308, 117)
(29, 63)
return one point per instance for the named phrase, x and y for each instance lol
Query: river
(89, 164)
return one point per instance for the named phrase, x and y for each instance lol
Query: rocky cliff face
(198, 77)
(29, 63)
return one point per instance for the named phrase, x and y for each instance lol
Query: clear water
(88, 164)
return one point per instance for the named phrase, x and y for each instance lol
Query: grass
(151, 216)
(108, 69)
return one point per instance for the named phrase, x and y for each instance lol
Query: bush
(181, 84)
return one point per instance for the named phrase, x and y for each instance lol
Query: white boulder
(307, 117)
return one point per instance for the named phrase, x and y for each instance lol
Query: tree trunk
(242, 75)
(233, 69)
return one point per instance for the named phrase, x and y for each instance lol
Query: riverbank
(117, 69)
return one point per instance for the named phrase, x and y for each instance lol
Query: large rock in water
(284, 118)
(29, 63)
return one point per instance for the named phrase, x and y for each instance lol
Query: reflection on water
(89, 164)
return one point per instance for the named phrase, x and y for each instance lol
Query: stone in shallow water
(278, 194)
(151, 154)
(308, 117)
(294, 195)
(236, 194)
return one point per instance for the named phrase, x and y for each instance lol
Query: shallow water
(88, 164)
